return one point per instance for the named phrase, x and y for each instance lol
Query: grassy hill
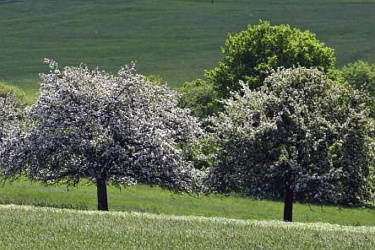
(176, 39)
(40, 228)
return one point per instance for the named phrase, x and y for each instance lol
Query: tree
(361, 75)
(9, 113)
(299, 136)
(251, 54)
(107, 129)
(10, 116)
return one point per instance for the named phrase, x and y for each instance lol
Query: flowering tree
(10, 113)
(11, 130)
(6, 113)
(299, 137)
(118, 129)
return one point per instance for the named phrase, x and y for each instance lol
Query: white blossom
(301, 130)
(91, 124)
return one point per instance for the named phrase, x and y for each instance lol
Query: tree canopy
(361, 75)
(251, 54)
(299, 136)
(104, 128)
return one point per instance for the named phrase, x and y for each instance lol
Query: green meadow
(40, 228)
(154, 200)
(174, 39)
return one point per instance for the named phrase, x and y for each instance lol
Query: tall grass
(155, 200)
(176, 39)
(37, 228)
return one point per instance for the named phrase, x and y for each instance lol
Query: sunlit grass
(39, 228)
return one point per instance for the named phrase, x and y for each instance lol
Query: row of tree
(286, 122)
(273, 120)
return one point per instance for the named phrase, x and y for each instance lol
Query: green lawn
(39, 228)
(176, 39)
(155, 200)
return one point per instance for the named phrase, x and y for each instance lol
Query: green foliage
(202, 153)
(200, 97)
(155, 79)
(38, 228)
(18, 93)
(250, 55)
(298, 131)
(361, 75)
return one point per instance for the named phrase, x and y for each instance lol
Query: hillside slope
(176, 39)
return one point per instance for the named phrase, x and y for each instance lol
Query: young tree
(251, 54)
(299, 136)
(107, 129)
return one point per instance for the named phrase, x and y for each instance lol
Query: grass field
(176, 39)
(154, 200)
(40, 228)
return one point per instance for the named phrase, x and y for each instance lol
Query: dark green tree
(250, 55)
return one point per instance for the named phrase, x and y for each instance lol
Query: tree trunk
(288, 204)
(101, 187)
